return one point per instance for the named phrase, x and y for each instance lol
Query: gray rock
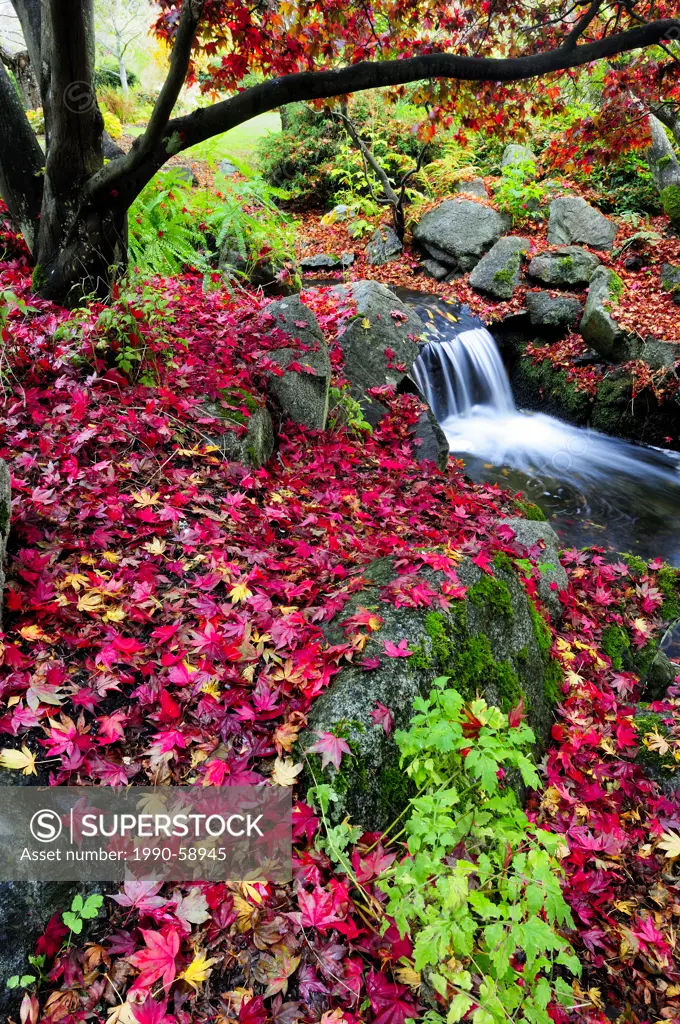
(476, 187)
(461, 228)
(435, 269)
(5, 513)
(303, 396)
(261, 273)
(252, 447)
(558, 313)
(327, 261)
(670, 278)
(529, 532)
(573, 220)
(487, 642)
(440, 256)
(384, 246)
(25, 909)
(430, 440)
(565, 267)
(365, 363)
(227, 168)
(340, 212)
(598, 326)
(516, 154)
(498, 273)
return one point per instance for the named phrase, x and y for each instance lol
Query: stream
(594, 489)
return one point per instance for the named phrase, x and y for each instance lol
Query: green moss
(637, 565)
(643, 658)
(565, 263)
(531, 511)
(552, 681)
(668, 579)
(503, 562)
(394, 788)
(616, 286)
(507, 274)
(665, 161)
(541, 630)
(39, 278)
(490, 592)
(615, 642)
(647, 722)
(670, 200)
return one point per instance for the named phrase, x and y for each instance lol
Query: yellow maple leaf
(111, 557)
(655, 741)
(670, 844)
(156, 546)
(18, 760)
(285, 772)
(116, 614)
(244, 913)
(407, 976)
(144, 498)
(212, 687)
(198, 970)
(239, 593)
(76, 580)
(90, 602)
(34, 633)
(366, 323)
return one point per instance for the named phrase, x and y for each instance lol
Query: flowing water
(594, 489)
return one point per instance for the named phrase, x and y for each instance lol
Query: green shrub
(519, 194)
(624, 184)
(480, 891)
(301, 158)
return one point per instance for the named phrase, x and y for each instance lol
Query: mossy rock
(492, 642)
(661, 767)
(252, 446)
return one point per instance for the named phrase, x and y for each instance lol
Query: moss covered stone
(491, 643)
(662, 767)
(615, 643)
(530, 511)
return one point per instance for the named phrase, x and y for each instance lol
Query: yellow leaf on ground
(198, 970)
(116, 614)
(144, 498)
(18, 760)
(35, 633)
(366, 323)
(407, 976)
(670, 844)
(240, 592)
(90, 602)
(156, 546)
(285, 772)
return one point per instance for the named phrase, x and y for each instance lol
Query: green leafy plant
(345, 411)
(165, 237)
(518, 193)
(26, 980)
(480, 890)
(128, 329)
(81, 910)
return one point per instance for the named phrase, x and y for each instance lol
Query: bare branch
(581, 25)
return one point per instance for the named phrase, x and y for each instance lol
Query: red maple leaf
(381, 715)
(392, 1003)
(330, 747)
(151, 1012)
(317, 908)
(51, 939)
(399, 650)
(157, 960)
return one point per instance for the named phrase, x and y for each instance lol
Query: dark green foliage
(615, 643)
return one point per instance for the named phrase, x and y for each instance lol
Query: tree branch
(179, 64)
(581, 25)
(129, 175)
(390, 195)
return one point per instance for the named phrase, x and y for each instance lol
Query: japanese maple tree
(71, 207)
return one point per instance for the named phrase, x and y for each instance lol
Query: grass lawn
(240, 142)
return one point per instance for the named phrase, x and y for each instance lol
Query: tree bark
(663, 162)
(20, 65)
(21, 163)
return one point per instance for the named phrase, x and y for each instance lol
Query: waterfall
(459, 374)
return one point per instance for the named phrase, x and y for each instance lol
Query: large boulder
(598, 327)
(302, 394)
(573, 220)
(5, 512)
(492, 641)
(462, 229)
(385, 245)
(567, 267)
(553, 313)
(382, 337)
(498, 273)
(541, 540)
(516, 155)
(326, 261)
(670, 280)
(474, 187)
